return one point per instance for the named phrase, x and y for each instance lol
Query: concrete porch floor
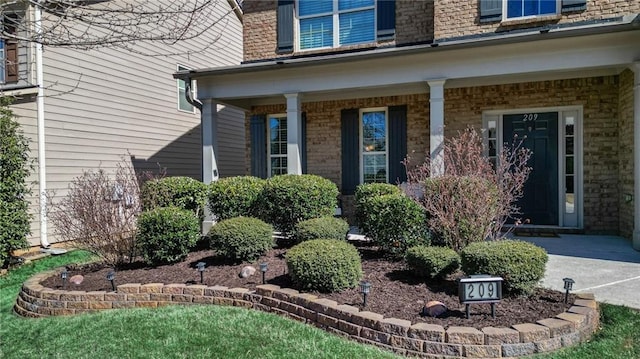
(606, 266)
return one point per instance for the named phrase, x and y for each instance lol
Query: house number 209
(479, 291)
(529, 117)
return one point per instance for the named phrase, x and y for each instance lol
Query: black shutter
(11, 49)
(386, 28)
(285, 26)
(490, 10)
(397, 143)
(258, 132)
(350, 153)
(574, 5)
(303, 142)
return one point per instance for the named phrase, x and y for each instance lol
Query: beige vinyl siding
(107, 104)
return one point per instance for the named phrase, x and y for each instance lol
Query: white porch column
(294, 134)
(209, 128)
(436, 126)
(636, 156)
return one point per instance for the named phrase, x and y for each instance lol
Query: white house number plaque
(480, 289)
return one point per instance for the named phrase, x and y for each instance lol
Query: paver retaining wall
(575, 325)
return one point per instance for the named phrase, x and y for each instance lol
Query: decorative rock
(247, 271)
(434, 308)
(76, 279)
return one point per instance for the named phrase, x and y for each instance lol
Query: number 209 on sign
(480, 289)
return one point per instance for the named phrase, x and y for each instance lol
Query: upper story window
(501, 10)
(8, 50)
(183, 104)
(528, 8)
(334, 23)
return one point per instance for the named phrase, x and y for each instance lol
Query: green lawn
(169, 332)
(222, 332)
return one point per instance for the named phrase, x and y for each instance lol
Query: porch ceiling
(541, 57)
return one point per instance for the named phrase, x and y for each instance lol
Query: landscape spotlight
(568, 285)
(111, 276)
(365, 288)
(263, 269)
(201, 266)
(64, 274)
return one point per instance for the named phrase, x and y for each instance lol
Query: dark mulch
(394, 292)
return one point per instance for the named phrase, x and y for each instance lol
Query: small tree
(100, 212)
(14, 170)
(463, 157)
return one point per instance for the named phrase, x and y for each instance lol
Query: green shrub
(321, 228)
(14, 170)
(235, 196)
(289, 199)
(395, 222)
(462, 209)
(520, 264)
(364, 194)
(326, 265)
(182, 192)
(166, 234)
(432, 262)
(241, 238)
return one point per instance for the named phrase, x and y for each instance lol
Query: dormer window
(334, 23)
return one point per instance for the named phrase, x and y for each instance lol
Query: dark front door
(539, 131)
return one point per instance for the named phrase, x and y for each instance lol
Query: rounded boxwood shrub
(241, 238)
(235, 196)
(364, 193)
(289, 199)
(432, 262)
(183, 192)
(520, 264)
(321, 228)
(395, 222)
(326, 265)
(166, 234)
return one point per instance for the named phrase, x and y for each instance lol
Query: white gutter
(42, 168)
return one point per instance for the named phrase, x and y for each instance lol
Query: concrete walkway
(606, 266)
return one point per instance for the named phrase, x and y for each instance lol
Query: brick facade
(454, 18)
(414, 24)
(625, 153)
(607, 177)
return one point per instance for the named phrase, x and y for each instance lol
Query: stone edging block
(575, 325)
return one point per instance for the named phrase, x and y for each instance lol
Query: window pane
(354, 4)
(182, 101)
(373, 132)
(569, 144)
(569, 165)
(492, 148)
(312, 7)
(357, 27)
(375, 168)
(316, 32)
(514, 8)
(530, 7)
(569, 126)
(547, 6)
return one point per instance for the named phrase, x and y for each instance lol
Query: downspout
(42, 168)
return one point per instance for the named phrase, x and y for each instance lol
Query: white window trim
(180, 67)
(578, 217)
(361, 139)
(269, 155)
(336, 26)
(506, 18)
